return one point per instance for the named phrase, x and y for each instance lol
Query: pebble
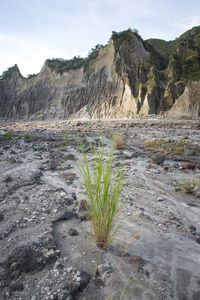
(78, 279)
(69, 270)
(160, 199)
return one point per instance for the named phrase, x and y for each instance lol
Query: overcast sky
(33, 30)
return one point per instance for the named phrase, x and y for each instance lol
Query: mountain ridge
(125, 77)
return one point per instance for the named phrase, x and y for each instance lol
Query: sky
(32, 31)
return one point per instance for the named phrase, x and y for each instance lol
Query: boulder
(158, 158)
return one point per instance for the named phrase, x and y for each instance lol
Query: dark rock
(66, 215)
(192, 204)
(22, 260)
(72, 289)
(53, 166)
(70, 156)
(67, 177)
(98, 282)
(27, 140)
(74, 195)
(54, 297)
(119, 251)
(26, 259)
(134, 155)
(137, 261)
(192, 228)
(188, 165)
(158, 158)
(104, 268)
(66, 296)
(147, 274)
(85, 279)
(36, 177)
(67, 201)
(16, 286)
(196, 295)
(8, 179)
(83, 215)
(12, 152)
(1, 216)
(72, 232)
(82, 204)
(12, 160)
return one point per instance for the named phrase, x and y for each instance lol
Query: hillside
(162, 47)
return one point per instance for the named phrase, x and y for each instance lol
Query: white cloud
(28, 54)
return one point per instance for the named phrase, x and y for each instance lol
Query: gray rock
(158, 158)
(105, 268)
(66, 215)
(72, 232)
(1, 216)
(189, 152)
(22, 260)
(160, 199)
(35, 177)
(8, 179)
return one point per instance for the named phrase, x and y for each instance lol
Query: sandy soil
(41, 257)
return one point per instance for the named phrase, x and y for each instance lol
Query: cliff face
(125, 77)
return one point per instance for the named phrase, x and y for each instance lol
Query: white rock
(69, 270)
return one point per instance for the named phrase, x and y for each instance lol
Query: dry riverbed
(45, 249)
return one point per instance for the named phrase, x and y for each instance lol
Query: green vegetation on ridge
(162, 47)
(61, 65)
(185, 56)
(6, 74)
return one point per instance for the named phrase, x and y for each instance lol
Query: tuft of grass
(157, 143)
(168, 146)
(20, 123)
(123, 292)
(104, 189)
(118, 141)
(9, 134)
(188, 184)
(66, 137)
(27, 136)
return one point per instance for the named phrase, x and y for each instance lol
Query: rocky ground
(46, 252)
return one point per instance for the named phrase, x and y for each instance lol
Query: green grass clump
(9, 134)
(156, 143)
(188, 185)
(168, 146)
(66, 137)
(27, 136)
(20, 123)
(104, 189)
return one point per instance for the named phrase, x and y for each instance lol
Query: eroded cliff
(128, 76)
